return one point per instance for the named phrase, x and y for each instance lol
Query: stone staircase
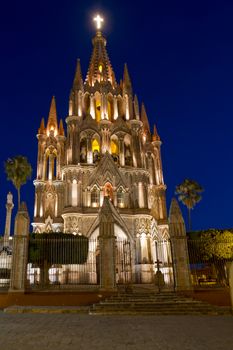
(147, 303)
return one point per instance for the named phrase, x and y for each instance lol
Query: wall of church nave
(78, 223)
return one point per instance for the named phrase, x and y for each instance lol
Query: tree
(189, 193)
(18, 170)
(214, 249)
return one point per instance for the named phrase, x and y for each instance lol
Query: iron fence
(6, 249)
(123, 262)
(63, 262)
(210, 261)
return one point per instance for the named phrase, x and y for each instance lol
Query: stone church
(106, 151)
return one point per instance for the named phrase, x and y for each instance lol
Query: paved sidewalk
(81, 332)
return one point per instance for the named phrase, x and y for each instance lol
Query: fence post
(107, 244)
(20, 250)
(179, 248)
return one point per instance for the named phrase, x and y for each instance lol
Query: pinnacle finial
(41, 129)
(155, 136)
(127, 85)
(78, 80)
(175, 212)
(144, 119)
(61, 131)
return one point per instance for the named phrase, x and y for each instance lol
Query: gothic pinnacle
(136, 107)
(127, 86)
(78, 80)
(41, 129)
(144, 119)
(61, 129)
(175, 215)
(52, 119)
(155, 136)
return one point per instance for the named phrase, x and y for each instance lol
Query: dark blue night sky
(180, 58)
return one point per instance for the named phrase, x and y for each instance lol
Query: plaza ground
(81, 332)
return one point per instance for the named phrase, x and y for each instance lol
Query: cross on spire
(98, 19)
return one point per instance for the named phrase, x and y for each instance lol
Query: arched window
(128, 154)
(120, 198)
(98, 109)
(114, 149)
(95, 150)
(95, 197)
(83, 150)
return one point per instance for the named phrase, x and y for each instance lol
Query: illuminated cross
(98, 21)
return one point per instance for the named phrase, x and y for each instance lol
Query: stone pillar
(107, 243)
(121, 151)
(20, 251)
(115, 108)
(9, 207)
(179, 248)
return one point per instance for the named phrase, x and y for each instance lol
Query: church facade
(105, 150)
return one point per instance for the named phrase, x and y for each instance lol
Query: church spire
(100, 68)
(52, 119)
(78, 80)
(127, 85)
(144, 119)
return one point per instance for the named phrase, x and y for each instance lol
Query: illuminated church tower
(108, 150)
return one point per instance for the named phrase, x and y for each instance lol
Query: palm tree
(18, 170)
(189, 193)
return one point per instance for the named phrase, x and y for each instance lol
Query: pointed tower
(179, 247)
(61, 131)
(52, 119)
(48, 184)
(144, 119)
(100, 68)
(78, 80)
(155, 136)
(76, 93)
(127, 85)
(42, 129)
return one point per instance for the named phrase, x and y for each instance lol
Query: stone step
(157, 313)
(47, 309)
(155, 304)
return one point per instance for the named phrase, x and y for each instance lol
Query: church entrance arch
(123, 255)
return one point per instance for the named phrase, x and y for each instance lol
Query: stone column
(121, 150)
(107, 243)
(9, 207)
(20, 251)
(179, 248)
(115, 108)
